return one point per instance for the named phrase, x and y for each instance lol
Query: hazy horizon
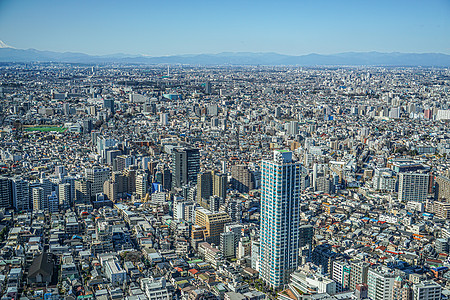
(5, 45)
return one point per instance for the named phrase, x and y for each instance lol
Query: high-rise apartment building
(110, 189)
(39, 201)
(227, 244)
(341, 274)
(413, 187)
(234, 210)
(141, 184)
(427, 290)
(280, 218)
(82, 191)
(97, 176)
(64, 195)
(255, 255)
(380, 283)
(164, 119)
(130, 178)
(241, 178)
(443, 188)
(358, 273)
(208, 88)
(123, 162)
(220, 182)
(211, 183)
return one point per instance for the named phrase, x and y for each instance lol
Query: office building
(46, 184)
(313, 283)
(111, 156)
(20, 194)
(211, 184)
(114, 272)
(213, 222)
(280, 218)
(185, 166)
(130, 179)
(323, 256)
(108, 104)
(5, 193)
(103, 144)
(87, 126)
(306, 235)
(60, 171)
(166, 179)
(215, 203)
(204, 188)
(361, 291)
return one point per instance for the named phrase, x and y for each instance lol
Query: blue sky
(168, 27)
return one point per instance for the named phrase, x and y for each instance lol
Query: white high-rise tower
(280, 218)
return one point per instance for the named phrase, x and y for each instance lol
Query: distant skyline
(158, 28)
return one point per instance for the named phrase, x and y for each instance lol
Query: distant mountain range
(8, 54)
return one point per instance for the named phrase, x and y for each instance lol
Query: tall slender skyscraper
(39, 201)
(5, 192)
(109, 104)
(280, 218)
(64, 195)
(185, 166)
(21, 194)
